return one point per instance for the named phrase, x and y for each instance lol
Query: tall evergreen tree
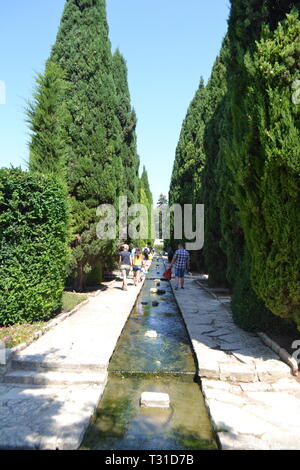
(189, 161)
(128, 121)
(48, 118)
(146, 198)
(215, 257)
(146, 186)
(92, 149)
(83, 51)
(162, 200)
(189, 158)
(247, 137)
(264, 150)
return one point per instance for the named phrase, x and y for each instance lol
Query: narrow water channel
(142, 364)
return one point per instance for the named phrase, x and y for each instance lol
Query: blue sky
(168, 45)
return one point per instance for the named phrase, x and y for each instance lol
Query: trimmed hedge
(33, 246)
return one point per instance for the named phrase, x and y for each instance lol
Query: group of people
(136, 260)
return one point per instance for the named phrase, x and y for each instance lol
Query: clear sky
(168, 46)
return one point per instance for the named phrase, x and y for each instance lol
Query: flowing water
(139, 364)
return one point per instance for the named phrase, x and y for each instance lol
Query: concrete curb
(282, 353)
(207, 289)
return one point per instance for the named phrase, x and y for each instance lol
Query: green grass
(70, 300)
(14, 335)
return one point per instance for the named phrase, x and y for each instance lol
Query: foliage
(48, 117)
(128, 121)
(33, 246)
(212, 182)
(146, 199)
(264, 161)
(84, 131)
(189, 162)
(190, 157)
(162, 200)
(238, 152)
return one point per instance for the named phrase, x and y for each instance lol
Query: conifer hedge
(249, 159)
(263, 154)
(33, 246)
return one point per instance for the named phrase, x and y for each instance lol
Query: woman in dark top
(125, 263)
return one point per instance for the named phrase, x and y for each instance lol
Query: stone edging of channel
(281, 352)
(214, 429)
(51, 324)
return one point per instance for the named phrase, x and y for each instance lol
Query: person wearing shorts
(125, 263)
(138, 262)
(181, 261)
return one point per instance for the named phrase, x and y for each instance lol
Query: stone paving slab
(252, 398)
(46, 417)
(89, 337)
(54, 416)
(235, 345)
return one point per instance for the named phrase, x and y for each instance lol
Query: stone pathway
(53, 387)
(251, 395)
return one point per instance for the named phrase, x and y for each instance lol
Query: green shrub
(33, 246)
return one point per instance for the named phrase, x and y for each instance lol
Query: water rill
(164, 365)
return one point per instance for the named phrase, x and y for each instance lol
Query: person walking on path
(146, 253)
(170, 254)
(125, 263)
(138, 263)
(181, 260)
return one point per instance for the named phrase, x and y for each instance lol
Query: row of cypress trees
(239, 154)
(83, 130)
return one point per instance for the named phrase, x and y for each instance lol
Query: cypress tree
(211, 193)
(48, 118)
(189, 161)
(246, 135)
(92, 148)
(189, 157)
(82, 50)
(264, 159)
(162, 200)
(128, 121)
(146, 198)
